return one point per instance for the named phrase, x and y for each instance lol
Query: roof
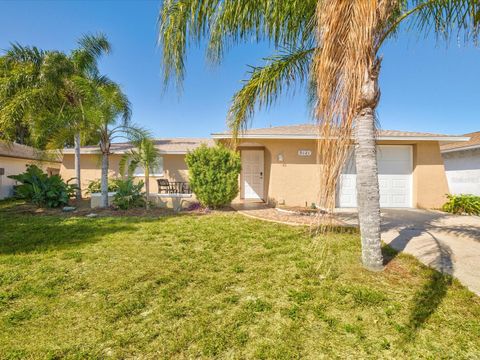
(473, 143)
(19, 151)
(310, 131)
(165, 146)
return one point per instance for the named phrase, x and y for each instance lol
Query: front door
(252, 174)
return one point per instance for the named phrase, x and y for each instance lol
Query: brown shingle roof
(312, 130)
(20, 151)
(172, 146)
(473, 142)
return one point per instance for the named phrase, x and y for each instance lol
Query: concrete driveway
(449, 243)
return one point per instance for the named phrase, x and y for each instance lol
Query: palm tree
(146, 156)
(330, 47)
(53, 84)
(110, 114)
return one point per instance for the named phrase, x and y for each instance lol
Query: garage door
(394, 177)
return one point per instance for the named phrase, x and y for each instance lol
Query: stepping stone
(69, 208)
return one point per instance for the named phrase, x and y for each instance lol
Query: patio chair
(165, 187)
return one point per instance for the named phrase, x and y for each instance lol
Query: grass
(218, 285)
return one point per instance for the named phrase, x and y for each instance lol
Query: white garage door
(394, 177)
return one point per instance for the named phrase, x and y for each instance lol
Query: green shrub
(214, 174)
(128, 194)
(462, 204)
(42, 190)
(95, 186)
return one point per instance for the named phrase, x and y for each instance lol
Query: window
(157, 171)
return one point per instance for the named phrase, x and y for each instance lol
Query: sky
(426, 86)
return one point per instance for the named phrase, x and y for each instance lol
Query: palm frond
(340, 72)
(444, 18)
(281, 73)
(223, 23)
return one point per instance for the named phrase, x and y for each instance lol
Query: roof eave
(121, 152)
(463, 148)
(316, 137)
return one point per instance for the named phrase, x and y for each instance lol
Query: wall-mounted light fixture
(280, 157)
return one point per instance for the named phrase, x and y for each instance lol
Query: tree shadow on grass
(438, 256)
(27, 234)
(425, 302)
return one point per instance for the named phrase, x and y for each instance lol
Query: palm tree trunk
(77, 165)
(104, 180)
(147, 187)
(368, 193)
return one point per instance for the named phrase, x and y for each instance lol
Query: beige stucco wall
(294, 181)
(429, 178)
(174, 167)
(15, 166)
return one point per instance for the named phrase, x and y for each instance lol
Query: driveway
(449, 243)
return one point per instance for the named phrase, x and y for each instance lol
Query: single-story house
(172, 164)
(14, 159)
(280, 166)
(462, 165)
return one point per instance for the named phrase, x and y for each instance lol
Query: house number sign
(304, 152)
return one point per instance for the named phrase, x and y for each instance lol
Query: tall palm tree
(144, 155)
(52, 84)
(331, 48)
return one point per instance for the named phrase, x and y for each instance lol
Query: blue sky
(425, 86)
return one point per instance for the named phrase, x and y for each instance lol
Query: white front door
(394, 177)
(252, 174)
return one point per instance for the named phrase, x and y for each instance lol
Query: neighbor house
(172, 164)
(280, 166)
(462, 165)
(14, 159)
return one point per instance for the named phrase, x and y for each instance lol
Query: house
(280, 166)
(172, 164)
(462, 165)
(14, 159)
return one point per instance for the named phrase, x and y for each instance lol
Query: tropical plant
(213, 173)
(94, 186)
(332, 48)
(42, 190)
(43, 94)
(462, 204)
(129, 194)
(144, 155)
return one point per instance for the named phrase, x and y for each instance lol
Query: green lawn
(219, 285)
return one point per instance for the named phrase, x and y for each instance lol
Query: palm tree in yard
(144, 155)
(111, 119)
(46, 93)
(330, 47)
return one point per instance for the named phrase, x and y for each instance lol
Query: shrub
(214, 174)
(129, 194)
(95, 186)
(462, 204)
(43, 190)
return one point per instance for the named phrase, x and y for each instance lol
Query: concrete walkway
(449, 243)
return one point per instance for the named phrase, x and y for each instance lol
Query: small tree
(145, 155)
(214, 174)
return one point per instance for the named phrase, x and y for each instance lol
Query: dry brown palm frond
(347, 35)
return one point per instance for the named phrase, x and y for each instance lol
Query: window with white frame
(156, 171)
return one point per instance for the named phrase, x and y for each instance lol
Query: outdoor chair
(165, 187)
